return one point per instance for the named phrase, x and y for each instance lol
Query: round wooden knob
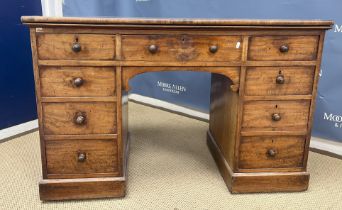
(271, 152)
(280, 79)
(78, 81)
(276, 117)
(213, 48)
(284, 48)
(153, 48)
(76, 47)
(81, 157)
(80, 118)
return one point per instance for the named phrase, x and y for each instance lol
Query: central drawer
(275, 115)
(72, 118)
(82, 157)
(181, 48)
(77, 81)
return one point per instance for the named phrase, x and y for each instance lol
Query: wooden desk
(263, 89)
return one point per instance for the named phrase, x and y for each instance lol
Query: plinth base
(257, 182)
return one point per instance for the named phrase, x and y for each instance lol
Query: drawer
(275, 115)
(79, 118)
(181, 48)
(76, 46)
(77, 81)
(268, 81)
(80, 157)
(283, 48)
(271, 152)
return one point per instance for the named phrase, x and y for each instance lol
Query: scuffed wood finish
(314, 95)
(261, 81)
(258, 181)
(223, 115)
(181, 48)
(70, 189)
(59, 81)
(124, 63)
(233, 73)
(79, 99)
(241, 99)
(289, 151)
(120, 119)
(266, 48)
(59, 118)
(270, 182)
(257, 115)
(174, 21)
(264, 84)
(38, 99)
(100, 157)
(59, 46)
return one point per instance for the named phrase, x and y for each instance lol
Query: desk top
(40, 20)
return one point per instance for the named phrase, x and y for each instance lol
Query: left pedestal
(80, 114)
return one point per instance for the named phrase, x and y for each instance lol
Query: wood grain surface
(254, 152)
(261, 81)
(266, 48)
(223, 115)
(182, 48)
(59, 118)
(257, 115)
(66, 189)
(62, 157)
(59, 46)
(58, 81)
(176, 21)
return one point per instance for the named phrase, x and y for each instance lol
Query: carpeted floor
(169, 168)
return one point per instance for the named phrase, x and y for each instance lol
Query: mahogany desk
(263, 89)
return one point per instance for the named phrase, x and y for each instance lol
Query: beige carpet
(169, 168)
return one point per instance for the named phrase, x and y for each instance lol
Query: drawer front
(79, 118)
(81, 157)
(270, 81)
(76, 47)
(77, 81)
(181, 48)
(283, 48)
(271, 152)
(275, 115)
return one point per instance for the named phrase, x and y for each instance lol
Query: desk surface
(177, 21)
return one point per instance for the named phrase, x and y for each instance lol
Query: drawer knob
(153, 48)
(284, 48)
(81, 157)
(271, 152)
(213, 48)
(276, 117)
(280, 79)
(80, 118)
(78, 81)
(76, 47)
